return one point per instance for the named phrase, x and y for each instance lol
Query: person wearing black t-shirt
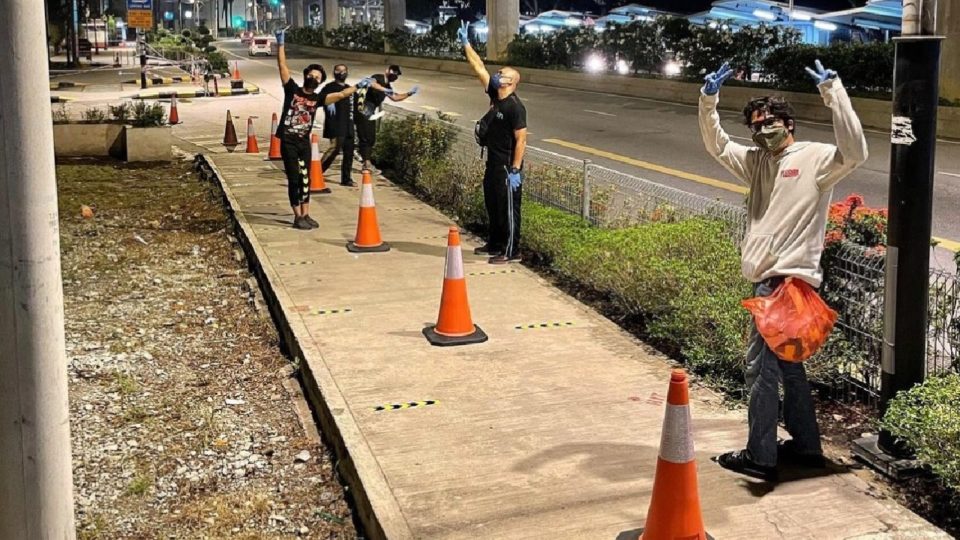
(506, 143)
(367, 109)
(296, 122)
(338, 124)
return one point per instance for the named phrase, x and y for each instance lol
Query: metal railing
(853, 284)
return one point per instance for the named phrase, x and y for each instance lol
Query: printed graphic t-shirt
(299, 110)
(367, 101)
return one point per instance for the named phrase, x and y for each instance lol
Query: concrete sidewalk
(538, 433)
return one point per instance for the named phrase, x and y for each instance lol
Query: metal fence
(854, 280)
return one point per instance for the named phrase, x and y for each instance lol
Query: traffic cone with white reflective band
(236, 71)
(368, 230)
(252, 146)
(454, 323)
(174, 115)
(674, 512)
(274, 153)
(317, 185)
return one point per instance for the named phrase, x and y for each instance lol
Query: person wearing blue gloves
(338, 122)
(367, 108)
(503, 131)
(296, 122)
(791, 183)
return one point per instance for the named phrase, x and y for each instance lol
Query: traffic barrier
(368, 230)
(454, 323)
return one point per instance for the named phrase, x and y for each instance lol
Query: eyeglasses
(770, 121)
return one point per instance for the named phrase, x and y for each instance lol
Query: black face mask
(311, 84)
(340, 76)
(392, 77)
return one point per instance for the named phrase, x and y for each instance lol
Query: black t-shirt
(299, 110)
(367, 101)
(341, 123)
(511, 115)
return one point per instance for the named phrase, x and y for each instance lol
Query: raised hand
(821, 74)
(365, 83)
(281, 35)
(463, 34)
(715, 80)
(413, 91)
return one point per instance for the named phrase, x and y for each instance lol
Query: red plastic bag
(794, 321)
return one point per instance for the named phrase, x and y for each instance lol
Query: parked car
(246, 36)
(261, 45)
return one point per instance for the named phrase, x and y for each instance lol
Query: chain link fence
(854, 282)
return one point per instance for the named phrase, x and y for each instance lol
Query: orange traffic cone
(317, 185)
(675, 504)
(454, 324)
(230, 134)
(368, 231)
(236, 71)
(174, 116)
(252, 147)
(274, 154)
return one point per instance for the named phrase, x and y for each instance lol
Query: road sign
(139, 18)
(140, 5)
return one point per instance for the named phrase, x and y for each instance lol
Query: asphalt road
(655, 140)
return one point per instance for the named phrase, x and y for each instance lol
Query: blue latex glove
(514, 179)
(821, 75)
(715, 80)
(281, 35)
(332, 109)
(463, 34)
(365, 83)
(413, 91)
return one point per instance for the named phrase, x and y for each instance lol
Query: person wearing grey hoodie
(790, 187)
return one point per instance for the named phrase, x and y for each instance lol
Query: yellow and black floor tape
(407, 405)
(332, 311)
(492, 273)
(298, 263)
(542, 325)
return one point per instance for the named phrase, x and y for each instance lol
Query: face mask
(497, 80)
(771, 138)
(310, 84)
(340, 76)
(392, 77)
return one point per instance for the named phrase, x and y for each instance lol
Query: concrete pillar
(296, 10)
(331, 15)
(503, 22)
(36, 478)
(948, 19)
(394, 14)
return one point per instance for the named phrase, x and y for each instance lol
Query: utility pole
(912, 158)
(36, 482)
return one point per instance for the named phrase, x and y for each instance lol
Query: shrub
(120, 112)
(866, 68)
(359, 37)
(60, 114)
(94, 115)
(145, 115)
(306, 36)
(218, 62)
(927, 418)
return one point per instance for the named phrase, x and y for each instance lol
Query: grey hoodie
(790, 193)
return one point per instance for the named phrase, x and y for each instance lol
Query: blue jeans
(764, 373)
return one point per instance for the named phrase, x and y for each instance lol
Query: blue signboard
(140, 4)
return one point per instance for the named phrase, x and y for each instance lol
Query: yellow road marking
(429, 108)
(651, 166)
(941, 242)
(947, 244)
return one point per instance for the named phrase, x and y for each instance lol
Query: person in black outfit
(367, 109)
(296, 122)
(338, 126)
(506, 140)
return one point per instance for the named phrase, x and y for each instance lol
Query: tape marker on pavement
(407, 405)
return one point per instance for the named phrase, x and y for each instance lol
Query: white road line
(457, 87)
(949, 174)
(599, 112)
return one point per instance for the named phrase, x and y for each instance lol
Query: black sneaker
(312, 222)
(487, 249)
(348, 183)
(740, 462)
(787, 452)
(300, 224)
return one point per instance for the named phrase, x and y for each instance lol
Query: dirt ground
(183, 414)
